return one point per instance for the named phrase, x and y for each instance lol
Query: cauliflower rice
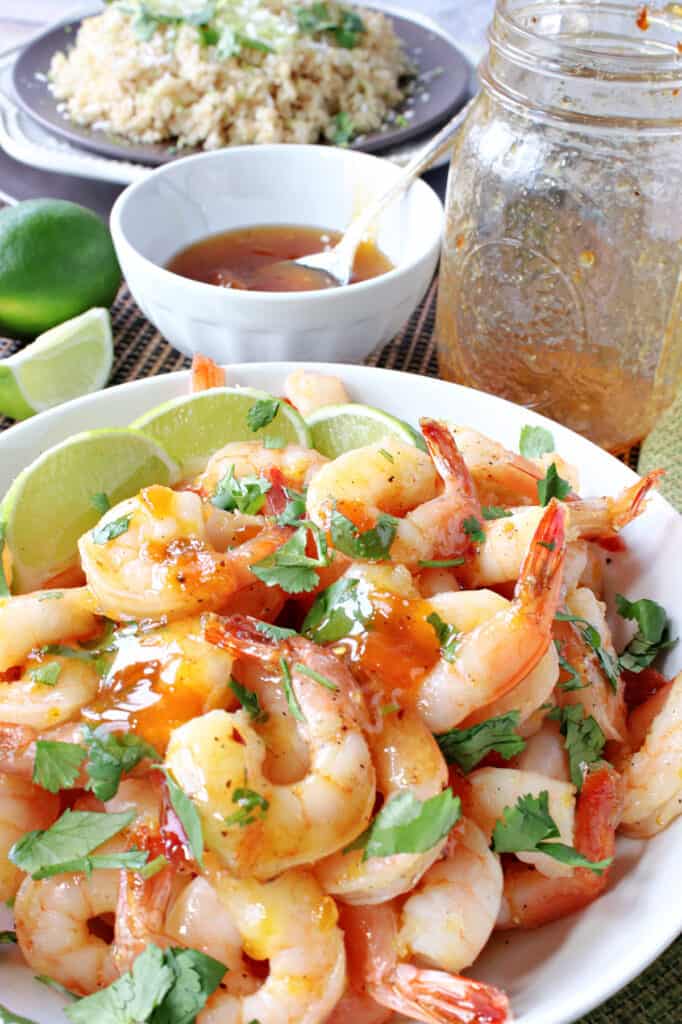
(254, 73)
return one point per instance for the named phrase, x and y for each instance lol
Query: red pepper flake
(643, 19)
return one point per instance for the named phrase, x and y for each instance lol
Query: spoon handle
(419, 163)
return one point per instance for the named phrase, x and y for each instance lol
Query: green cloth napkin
(663, 448)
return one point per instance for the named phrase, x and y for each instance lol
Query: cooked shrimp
(653, 774)
(23, 807)
(545, 753)
(296, 465)
(205, 374)
(54, 919)
(27, 701)
(450, 916)
(218, 760)
(31, 621)
(309, 391)
(531, 899)
(381, 970)
(161, 564)
(490, 790)
(405, 757)
(494, 657)
(291, 923)
(498, 560)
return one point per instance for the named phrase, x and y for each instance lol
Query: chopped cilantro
(248, 700)
(275, 633)
(289, 567)
(468, 747)
(153, 867)
(408, 825)
(111, 530)
(593, 640)
(75, 834)
(342, 609)
(447, 635)
(344, 129)
(374, 544)
(652, 636)
(46, 674)
(189, 818)
(246, 495)
(251, 806)
(8, 938)
(552, 486)
(474, 529)
(128, 860)
(262, 413)
(440, 563)
(100, 502)
(276, 442)
(317, 676)
(111, 755)
(495, 512)
(294, 510)
(57, 765)
(386, 455)
(4, 585)
(574, 682)
(9, 1017)
(346, 27)
(292, 700)
(549, 544)
(583, 737)
(535, 441)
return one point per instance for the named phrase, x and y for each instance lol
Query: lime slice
(65, 362)
(336, 429)
(193, 427)
(64, 492)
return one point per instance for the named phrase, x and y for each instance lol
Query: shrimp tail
(439, 998)
(205, 374)
(630, 504)
(276, 498)
(447, 458)
(542, 567)
(601, 519)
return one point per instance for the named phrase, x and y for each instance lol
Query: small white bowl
(320, 186)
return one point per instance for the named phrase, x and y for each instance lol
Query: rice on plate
(232, 72)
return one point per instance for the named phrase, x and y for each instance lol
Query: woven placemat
(655, 997)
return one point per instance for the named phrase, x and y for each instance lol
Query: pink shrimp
(205, 374)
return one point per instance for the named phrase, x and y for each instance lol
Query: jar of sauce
(561, 278)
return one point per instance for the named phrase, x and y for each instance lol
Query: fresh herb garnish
(408, 825)
(75, 834)
(128, 860)
(8, 938)
(583, 737)
(495, 512)
(252, 807)
(57, 765)
(342, 609)
(248, 700)
(4, 585)
(593, 640)
(262, 413)
(208, 36)
(46, 674)
(474, 529)
(552, 486)
(51, 595)
(316, 676)
(291, 698)
(294, 510)
(652, 636)
(574, 682)
(189, 817)
(346, 27)
(111, 530)
(289, 567)
(468, 747)
(549, 544)
(440, 563)
(246, 495)
(100, 502)
(275, 633)
(374, 544)
(535, 441)
(152, 867)
(111, 755)
(386, 455)
(526, 827)
(447, 635)
(9, 1017)
(344, 129)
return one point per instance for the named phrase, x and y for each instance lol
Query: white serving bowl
(554, 974)
(319, 186)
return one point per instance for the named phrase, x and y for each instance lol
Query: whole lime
(56, 261)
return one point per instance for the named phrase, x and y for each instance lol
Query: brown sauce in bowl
(253, 258)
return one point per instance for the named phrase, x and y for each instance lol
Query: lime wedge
(65, 362)
(193, 427)
(336, 429)
(64, 492)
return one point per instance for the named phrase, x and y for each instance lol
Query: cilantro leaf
(8, 938)
(276, 442)
(100, 502)
(526, 827)
(574, 682)
(474, 529)
(275, 632)
(583, 737)
(251, 805)
(197, 976)
(130, 860)
(262, 413)
(189, 817)
(592, 638)
(44, 979)
(468, 747)
(112, 755)
(448, 635)
(46, 674)
(246, 495)
(408, 825)
(111, 530)
(292, 700)
(289, 567)
(152, 867)
(495, 512)
(552, 486)
(132, 998)
(342, 609)
(248, 700)
(374, 544)
(294, 509)
(535, 441)
(344, 129)
(652, 636)
(440, 563)
(9, 1017)
(75, 834)
(4, 585)
(316, 676)
(57, 765)
(346, 27)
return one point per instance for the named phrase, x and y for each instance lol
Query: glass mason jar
(561, 278)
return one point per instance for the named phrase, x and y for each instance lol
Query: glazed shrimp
(308, 391)
(600, 519)
(291, 923)
(405, 757)
(30, 621)
(219, 757)
(383, 972)
(494, 657)
(449, 917)
(531, 899)
(296, 465)
(653, 774)
(27, 701)
(161, 564)
(23, 807)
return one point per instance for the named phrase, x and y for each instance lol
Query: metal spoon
(337, 264)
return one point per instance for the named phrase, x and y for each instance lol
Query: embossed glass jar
(561, 278)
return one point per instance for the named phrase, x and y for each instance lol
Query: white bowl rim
(249, 297)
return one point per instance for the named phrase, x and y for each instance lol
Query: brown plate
(441, 89)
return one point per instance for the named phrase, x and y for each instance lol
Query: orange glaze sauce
(250, 258)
